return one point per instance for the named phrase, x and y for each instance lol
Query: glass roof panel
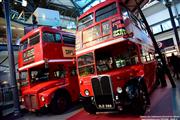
(83, 3)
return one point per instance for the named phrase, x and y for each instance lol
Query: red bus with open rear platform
(115, 59)
(47, 73)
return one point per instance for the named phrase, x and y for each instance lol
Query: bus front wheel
(141, 101)
(59, 104)
(89, 107)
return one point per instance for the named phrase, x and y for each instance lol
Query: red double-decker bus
(47, 73)
(115, 59)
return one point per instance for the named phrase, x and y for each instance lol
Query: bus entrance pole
(167, 71)
(12, 70)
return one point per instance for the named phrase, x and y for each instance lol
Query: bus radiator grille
(103, 92)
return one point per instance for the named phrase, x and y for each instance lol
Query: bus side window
(72, 71)
(152, 56)
(60, 72)
(58, 37)
(146, 56)
(143, 56)
(48, 37)
(124, 12)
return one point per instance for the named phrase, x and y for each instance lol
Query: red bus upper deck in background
(115, 59)
(47, 73)
(45, 43)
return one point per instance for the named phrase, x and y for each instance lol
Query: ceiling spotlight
(24, 3)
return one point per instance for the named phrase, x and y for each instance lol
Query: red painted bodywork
(46, 54)
(120, 76)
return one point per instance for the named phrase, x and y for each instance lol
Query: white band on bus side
(43, 61)
(100, 45)
(31, 65)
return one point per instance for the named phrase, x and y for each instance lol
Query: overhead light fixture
(24, 3)
(0, 1)
(43, 16)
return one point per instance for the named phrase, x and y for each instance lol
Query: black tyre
(89, 107)
(141, 101)
(59, 104)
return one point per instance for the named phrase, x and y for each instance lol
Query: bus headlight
(119, 90)
(86, 92)
(42, 98)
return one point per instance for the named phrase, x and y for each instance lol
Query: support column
(166, 69)
(12, 69)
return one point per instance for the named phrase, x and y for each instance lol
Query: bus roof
(44, 28)
(131, 4)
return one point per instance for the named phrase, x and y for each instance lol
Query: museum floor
(165, 104)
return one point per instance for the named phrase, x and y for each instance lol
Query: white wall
(156, 13)
(160, 13)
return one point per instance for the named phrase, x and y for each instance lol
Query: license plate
(105, 106)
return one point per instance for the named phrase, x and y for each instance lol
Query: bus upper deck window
(34, 39)
(85, 22)
(48, 37)
(124, 12)
(51, 37)
(106, 12)
(58, 37)
(68, 39)
(23, 45)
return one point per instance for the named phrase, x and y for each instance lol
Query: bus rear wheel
(59, 104)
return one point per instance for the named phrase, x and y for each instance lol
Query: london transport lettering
(117, 28)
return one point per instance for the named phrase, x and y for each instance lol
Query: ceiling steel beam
(78, 9)
(3, 47)
(3, 60)
(87, 4)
